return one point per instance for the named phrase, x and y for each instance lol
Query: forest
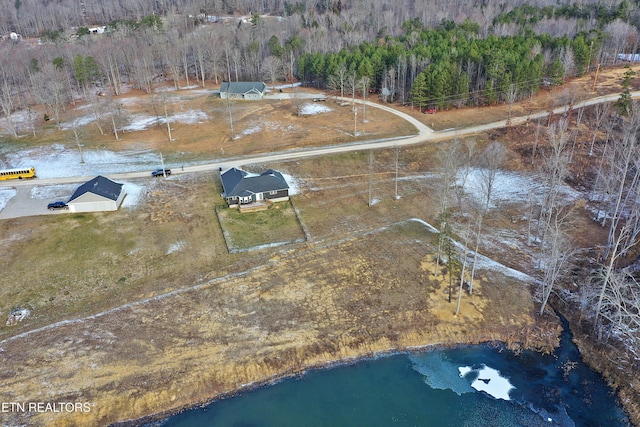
(455, 54)
(436, 53)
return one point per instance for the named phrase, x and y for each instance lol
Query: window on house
(273, 192)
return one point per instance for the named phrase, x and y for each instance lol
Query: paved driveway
(22, 204)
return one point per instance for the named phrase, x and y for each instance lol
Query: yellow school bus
(18, 173)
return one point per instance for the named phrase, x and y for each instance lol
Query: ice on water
(488, 380)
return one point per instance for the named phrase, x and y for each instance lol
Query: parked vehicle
(161, 172)
(57, 205)
(430, 111)
(17, 173)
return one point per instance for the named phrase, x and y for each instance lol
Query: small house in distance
(242, 90)
(98, 194)
(241, 188)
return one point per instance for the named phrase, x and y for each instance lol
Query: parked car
(57, 205)
(161, 172)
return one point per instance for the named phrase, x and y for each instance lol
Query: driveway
(23, 204)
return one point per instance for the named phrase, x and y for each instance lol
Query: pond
(483, 385)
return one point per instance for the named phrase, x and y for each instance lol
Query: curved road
(21, 205)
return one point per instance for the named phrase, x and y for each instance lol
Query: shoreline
(245, 332)
(286, 376)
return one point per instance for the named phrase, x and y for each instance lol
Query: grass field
(278, 225)
(169, 316)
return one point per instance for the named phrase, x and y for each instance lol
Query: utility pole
(166, 116)
(370, 177)
(355, 121)
(397, 148)
(164, 174)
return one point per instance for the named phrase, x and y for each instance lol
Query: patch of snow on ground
(482, 261)
(486, 263)
(58, 161)
(430, 227)
(190, 117)
(20, 119)
(6, 194)
(313, 109)
(134, 194)
(489, 380)
(61, 192)
(175, 247)
(141, 122)
(294, 185)
(250, 131)
(78, 122)
(18, 315)
(511, 187)
(285, 86)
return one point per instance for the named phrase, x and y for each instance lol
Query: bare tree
(557, 255)
(271, 69)
(448, 159)
(49, 88)
(555, 169)
(600, 112)
(491, 159)
(7, 99)
(338, 79)
(621, 306)
(624, 212)
(511, 97)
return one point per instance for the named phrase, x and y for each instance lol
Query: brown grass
(363, 281)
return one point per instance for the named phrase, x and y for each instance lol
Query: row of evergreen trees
(453, 65)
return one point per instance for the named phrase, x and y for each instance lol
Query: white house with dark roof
(98, 194)
(241, 188)
(242, 90)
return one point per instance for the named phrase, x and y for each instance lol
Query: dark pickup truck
(161, 172)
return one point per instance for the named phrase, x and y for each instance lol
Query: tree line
(606, 291)
(490, 56)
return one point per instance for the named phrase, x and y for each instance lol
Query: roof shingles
(101, 186)
(238, 183)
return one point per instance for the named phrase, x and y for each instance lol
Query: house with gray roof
(240, 187)
(242, 90)
(98, 194)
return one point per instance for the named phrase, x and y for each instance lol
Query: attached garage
(99, 194)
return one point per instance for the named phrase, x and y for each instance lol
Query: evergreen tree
(419, 90)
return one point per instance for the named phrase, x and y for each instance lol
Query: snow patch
(285, 86)
(142, 121)
(176, 247)
(313, 109)
(6, 194)
(62, 192)
(58, 161)
(133, 195)
(292, 182)
(252, 130)
(17, 315)
(78, 122)
(511, 187)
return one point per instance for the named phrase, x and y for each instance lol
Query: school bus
(17, 173)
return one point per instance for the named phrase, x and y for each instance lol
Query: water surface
(468, 386)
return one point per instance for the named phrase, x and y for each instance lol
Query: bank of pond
(481, 385)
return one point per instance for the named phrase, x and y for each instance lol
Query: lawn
(274, 226)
